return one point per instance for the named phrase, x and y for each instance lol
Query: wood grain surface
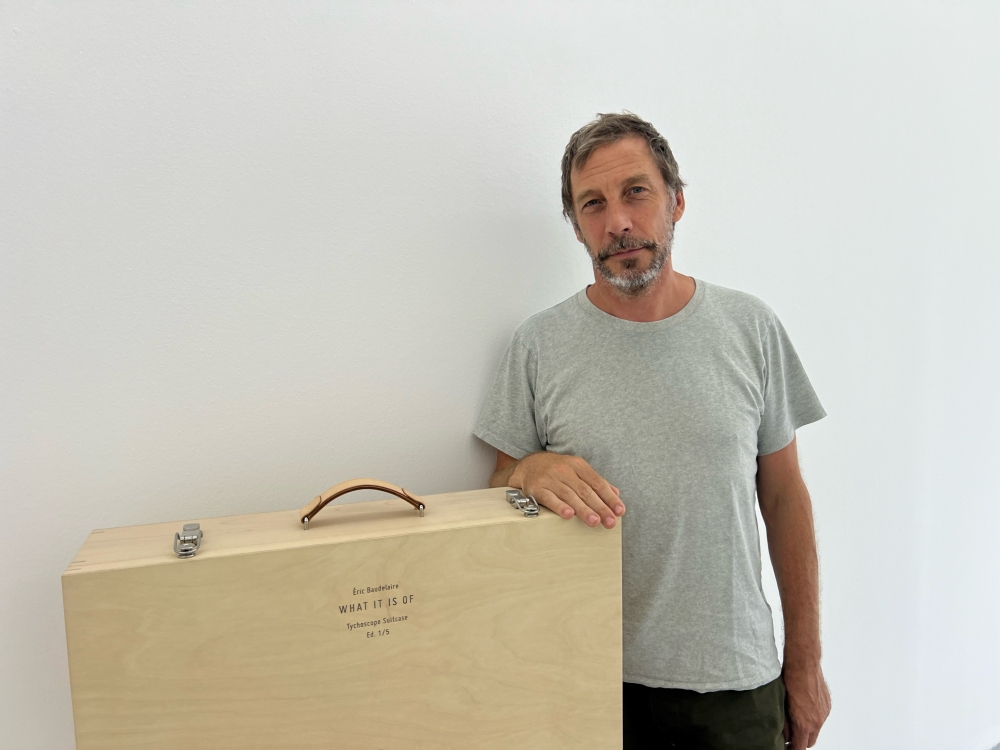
(471, 628)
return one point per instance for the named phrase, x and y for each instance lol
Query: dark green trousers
(657, 718)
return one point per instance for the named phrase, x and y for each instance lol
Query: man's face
(625, 214)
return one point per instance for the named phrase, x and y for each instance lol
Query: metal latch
(525, 504)
(188, 541)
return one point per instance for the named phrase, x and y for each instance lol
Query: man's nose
(618, 221)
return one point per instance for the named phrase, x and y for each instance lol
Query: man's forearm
(501, 477)
(791, 541)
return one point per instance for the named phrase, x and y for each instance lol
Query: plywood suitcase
(473, 626)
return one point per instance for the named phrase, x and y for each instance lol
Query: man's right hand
(566, 485)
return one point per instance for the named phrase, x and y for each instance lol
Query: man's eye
(636, 189)
(591, 202)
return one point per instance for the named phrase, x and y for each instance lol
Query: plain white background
(250, 250)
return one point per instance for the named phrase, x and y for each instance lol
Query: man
(680, 399)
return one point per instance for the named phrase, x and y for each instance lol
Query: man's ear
(678, 206)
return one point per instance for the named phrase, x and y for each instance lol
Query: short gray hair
(611, 128)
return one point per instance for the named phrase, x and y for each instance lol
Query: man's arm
(504, 468)
(791, 539)
(566, 485)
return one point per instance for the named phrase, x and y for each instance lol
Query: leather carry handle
(320, 501)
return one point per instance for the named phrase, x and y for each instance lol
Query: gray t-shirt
(674, 413)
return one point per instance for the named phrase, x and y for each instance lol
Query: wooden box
(473, 626)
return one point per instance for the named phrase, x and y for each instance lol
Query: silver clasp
(524, 503)
(188, 541)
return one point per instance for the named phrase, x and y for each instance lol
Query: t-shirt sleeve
(789, 399)
(507, 421)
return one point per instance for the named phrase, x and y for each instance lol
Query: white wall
(249, 251)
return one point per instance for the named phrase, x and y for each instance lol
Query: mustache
(625, 242)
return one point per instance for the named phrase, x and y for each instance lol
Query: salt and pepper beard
(632, 282)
